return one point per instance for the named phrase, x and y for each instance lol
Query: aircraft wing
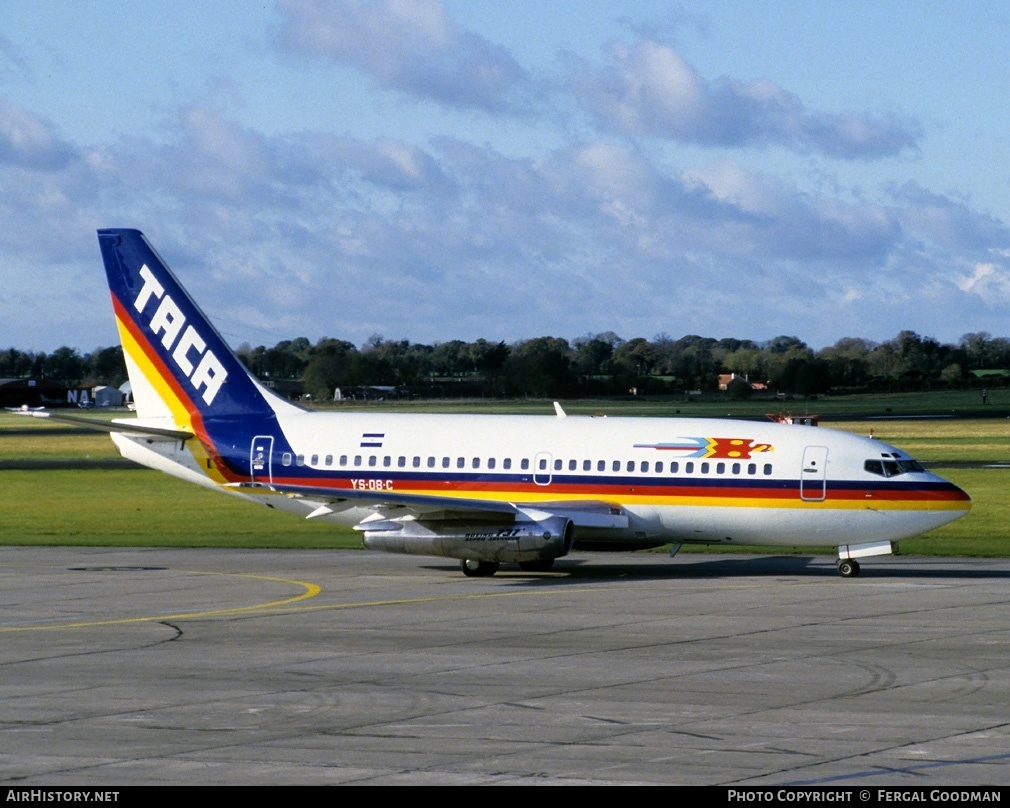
(582, 513)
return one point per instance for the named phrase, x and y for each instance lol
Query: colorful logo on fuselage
(725, 448)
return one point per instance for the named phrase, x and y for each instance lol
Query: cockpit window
(892, 468)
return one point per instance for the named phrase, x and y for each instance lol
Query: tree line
(591, 365)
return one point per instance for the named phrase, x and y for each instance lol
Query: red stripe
(150, 353)
(602, 491)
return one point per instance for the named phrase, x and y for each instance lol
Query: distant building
(729, 380)
(33, 393)
(18, 393)
(103, 396)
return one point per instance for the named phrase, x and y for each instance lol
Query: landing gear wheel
(848, 568)
(478, 569)
(540, 565)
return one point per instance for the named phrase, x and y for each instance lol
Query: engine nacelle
(516, 541)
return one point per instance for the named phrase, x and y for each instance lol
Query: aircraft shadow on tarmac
(574, 570)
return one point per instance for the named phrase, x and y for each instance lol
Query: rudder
(179, 365)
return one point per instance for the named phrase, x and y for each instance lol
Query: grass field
(959, 403)
(91, 500)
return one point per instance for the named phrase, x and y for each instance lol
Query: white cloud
(408, 45)
(346, 237)
(29, 142)
(988, 280)
(647, 88)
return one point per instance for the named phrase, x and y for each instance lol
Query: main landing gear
(848, 567)
(478, 569)
(484, 569)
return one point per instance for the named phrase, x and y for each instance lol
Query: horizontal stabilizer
(113, 426)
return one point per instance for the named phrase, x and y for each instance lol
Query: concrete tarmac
(147, 666)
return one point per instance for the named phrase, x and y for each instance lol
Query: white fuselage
(677, 479)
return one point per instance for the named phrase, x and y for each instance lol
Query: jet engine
(522, 541)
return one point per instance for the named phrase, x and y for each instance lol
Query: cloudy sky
(451, 169)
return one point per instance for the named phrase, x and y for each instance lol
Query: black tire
(848, 568)
(478, 569)
(540, 565)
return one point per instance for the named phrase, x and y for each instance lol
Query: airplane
(493, 489)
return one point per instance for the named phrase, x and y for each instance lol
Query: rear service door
(261, 459)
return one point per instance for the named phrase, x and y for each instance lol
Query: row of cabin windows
(644, 466)
(658, 467)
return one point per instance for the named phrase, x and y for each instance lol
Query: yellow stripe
(155, 378)
(868, 503)
(179, 411)
(311, 590)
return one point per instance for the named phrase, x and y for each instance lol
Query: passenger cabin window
(525, 464)
(507, 463)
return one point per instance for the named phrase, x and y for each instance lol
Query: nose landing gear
(848, 567)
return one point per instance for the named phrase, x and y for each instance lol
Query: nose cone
(965, 498)
(948, 499)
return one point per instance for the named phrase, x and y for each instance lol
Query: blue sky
(438, 169)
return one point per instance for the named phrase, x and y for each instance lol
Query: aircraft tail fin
(180, 367)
